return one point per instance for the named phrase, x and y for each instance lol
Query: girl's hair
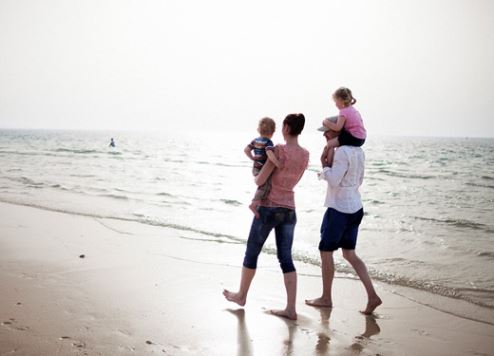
(345, 94)
(295, 123)
(267, 126)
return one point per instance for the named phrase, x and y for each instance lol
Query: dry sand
(75, 285)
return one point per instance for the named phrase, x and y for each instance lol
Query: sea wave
(231, 202)
(165, 194)
(141, 218)
(221, 164)
(374, 202)
(25, 180)
(403, 175)
(480, 185)
(461, 223)
(480, 297)
(83, 175)
(489, 254)
(59, 186)
(78, 151)
(115, 196)
(29, 153)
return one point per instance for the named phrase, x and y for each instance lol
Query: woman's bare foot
(234, 297)
(319, 302)
(292, 315)
(372, 304)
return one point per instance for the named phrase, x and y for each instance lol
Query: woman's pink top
(353, 123)
(294, 160)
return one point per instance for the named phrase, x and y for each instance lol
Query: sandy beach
(86, 286)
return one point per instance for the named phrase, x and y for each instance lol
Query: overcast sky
(416, 67)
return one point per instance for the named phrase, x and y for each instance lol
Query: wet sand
(85, 286)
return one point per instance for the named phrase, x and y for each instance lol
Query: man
(341, 221)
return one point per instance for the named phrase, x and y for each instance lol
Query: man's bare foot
(253, 206)
(319, 302)
(234, 297)
(292, 315)
(372, 304)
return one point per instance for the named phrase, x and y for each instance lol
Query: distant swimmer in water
(112, 143)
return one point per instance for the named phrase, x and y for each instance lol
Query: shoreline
(459, 307)
(142, 289)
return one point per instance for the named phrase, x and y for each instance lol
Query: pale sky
(416, 67)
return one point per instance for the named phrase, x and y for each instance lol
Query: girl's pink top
(294, 160)
(353, 122)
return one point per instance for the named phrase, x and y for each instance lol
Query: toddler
(259, 151)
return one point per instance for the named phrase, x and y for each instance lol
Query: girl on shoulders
(349, 123)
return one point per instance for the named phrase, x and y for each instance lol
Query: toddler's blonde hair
(267, 126)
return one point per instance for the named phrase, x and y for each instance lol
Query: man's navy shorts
(339, 230)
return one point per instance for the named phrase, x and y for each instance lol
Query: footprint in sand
(75, 343)
(123, 332)
(12, 324)
(79, 344)
(28, 276)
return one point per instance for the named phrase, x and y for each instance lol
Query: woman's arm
(265, 172)
(335, 126)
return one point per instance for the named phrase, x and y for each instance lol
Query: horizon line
(183, 129)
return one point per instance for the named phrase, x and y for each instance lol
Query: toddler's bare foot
(319, 302)
(292, 315)
(372, 304)
(234, 297)
(253, 206)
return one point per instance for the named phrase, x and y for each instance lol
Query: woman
(277, 212)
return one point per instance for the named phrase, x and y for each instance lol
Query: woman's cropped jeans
(283, 221)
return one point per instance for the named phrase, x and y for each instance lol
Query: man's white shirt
(344, 179)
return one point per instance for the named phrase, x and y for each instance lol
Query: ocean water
(429, 202)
